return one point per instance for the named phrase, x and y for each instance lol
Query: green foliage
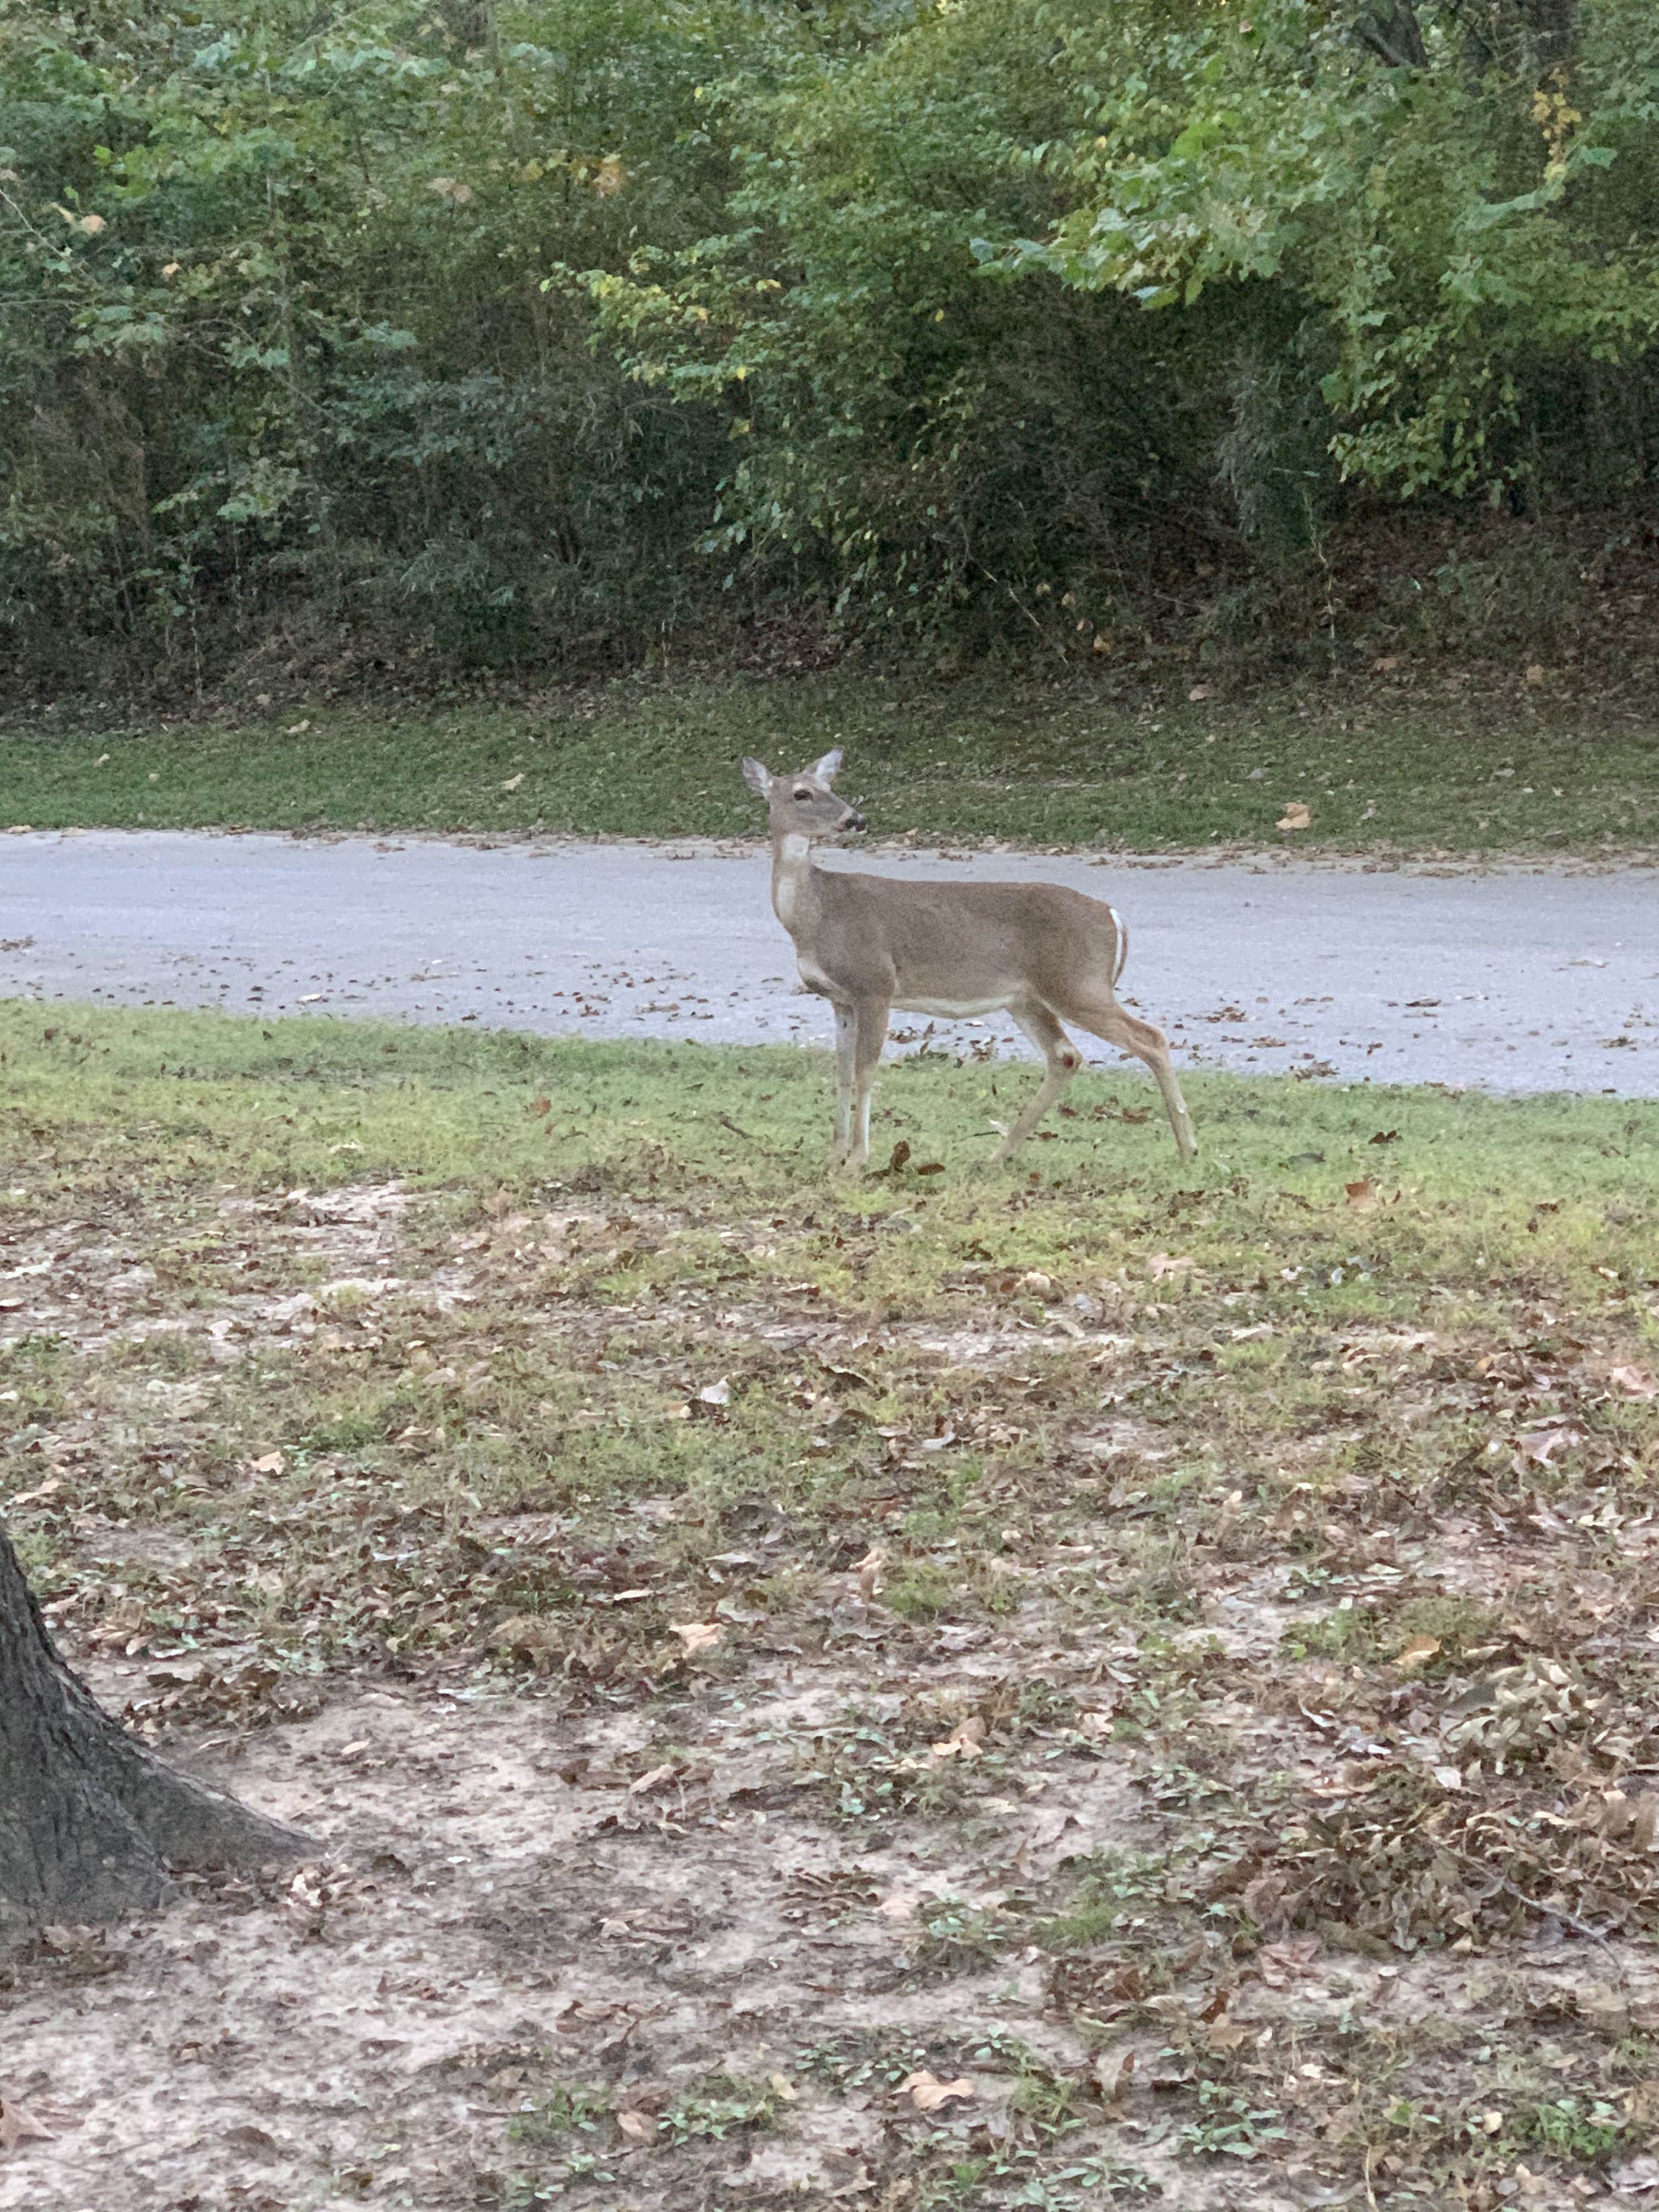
(277, 323)
(529, 330)
(1449, 210)
(572, 2109)
(1230, 2125)
(1586, 2128)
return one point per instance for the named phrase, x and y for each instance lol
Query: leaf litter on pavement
(1056, 1687)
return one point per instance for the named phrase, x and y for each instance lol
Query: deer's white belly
(951, 1010)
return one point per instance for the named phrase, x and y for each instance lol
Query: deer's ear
(757, 776)
(828, 768)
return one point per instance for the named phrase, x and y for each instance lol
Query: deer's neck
(793, 883)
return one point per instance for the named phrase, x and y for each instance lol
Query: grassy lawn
(1074, 1680)
(1055, 766)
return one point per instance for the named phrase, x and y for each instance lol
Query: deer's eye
(803, 794)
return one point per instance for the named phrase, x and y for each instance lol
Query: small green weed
(922, 1592)
(720, 2106)
(1584, 2128)
(1230, 2125)
(572, 2109)
(860, 2057)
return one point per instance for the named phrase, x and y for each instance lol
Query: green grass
(1060, 766)
(332, 1350)
(320, 1101)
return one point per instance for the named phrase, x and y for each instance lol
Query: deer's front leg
(870, 1034)
(846, 1036)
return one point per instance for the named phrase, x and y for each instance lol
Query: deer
(1040, 952)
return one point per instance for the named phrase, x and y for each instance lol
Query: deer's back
(966, 940)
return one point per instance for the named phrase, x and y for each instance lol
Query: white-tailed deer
(1041, 953)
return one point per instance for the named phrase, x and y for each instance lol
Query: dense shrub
(543, 332)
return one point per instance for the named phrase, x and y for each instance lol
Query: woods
(547, 336)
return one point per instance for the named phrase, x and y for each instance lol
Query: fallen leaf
(513, 781)
(869, 1570)
(1279, 1963)
(33, 1497)
(928, 2094)
(1050, 1826)
(1295, 817)
(298, 729)
(270, 1463)
(1264, 1899)
(1224, 2034)
(652, 1779)
(1362, 1194)
(1633, 1382)
(1540, 1445)
(638, 2127)
(900, 1905)
(697, 1635)
(1165, 1263)
(251, 2142)
(1384, 1137)
(1199, 691)
(1537, 676)
(90, 225)
(18, 2124)
(966, 1740)
(1418, 1653)
(1115, 2080)
(715, 1394)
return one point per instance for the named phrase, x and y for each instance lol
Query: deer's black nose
(856, 820)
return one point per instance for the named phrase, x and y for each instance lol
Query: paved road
(1514, 980)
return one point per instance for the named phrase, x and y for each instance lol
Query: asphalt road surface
(1514, 979)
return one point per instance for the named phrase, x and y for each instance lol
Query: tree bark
(1393, 33)
(1551, 23)
(90, 1821)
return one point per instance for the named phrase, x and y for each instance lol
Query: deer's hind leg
(1106, 1019)
(1063, 1061)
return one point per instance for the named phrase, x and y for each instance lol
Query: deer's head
(804, 806)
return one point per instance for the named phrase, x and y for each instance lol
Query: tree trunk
(1551, 22)
(1393, 33)
(89, 1820)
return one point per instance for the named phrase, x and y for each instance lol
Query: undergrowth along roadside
(1377, 771)
(1228, 1587)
